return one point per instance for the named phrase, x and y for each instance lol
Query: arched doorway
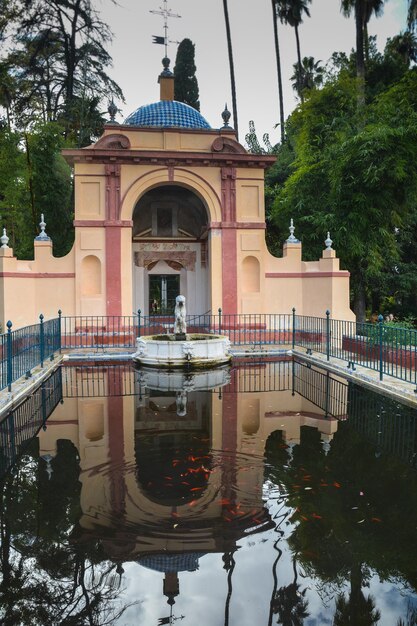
(170, 228)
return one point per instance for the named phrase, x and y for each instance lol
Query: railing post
(328, 335)
(60, 331)
(381, 361)
(41, 339)
(9, 356)
(139, 312)
(220, 320)
(293, 328)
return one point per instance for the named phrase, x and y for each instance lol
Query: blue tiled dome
(168, 114)
(187, 562)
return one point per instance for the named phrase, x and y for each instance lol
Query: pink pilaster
(113, 242)
(116, 440)
(229, 245)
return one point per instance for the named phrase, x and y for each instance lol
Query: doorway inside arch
(163, 289)
(171, 243)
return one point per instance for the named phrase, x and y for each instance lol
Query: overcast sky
(137, 61)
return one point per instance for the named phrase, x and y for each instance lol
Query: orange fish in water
(338, 485)
(317, 516)
(194, 488)
(376, 519)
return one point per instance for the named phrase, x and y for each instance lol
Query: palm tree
(412, 14)
(290, 603)
(363, 11)
(291, 12)
(311, 76)
(231, 65)
(404, 45)
(274, 5)
(372, 7)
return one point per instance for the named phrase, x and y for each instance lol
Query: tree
(404, 45)
(291, 12)
(231, 66)
(59, 56)
(312, 75)
(363, 11)
(274, 5)
(186, 85)
(35, 179)
(353, 179)
(412, 14)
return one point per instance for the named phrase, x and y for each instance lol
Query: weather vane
(166, 14)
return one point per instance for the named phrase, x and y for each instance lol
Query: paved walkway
(402, 391)
(393, 387)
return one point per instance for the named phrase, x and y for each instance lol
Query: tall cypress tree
(186, 85)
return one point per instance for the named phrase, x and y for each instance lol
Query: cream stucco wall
(102, 259)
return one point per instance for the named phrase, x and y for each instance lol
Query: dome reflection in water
(277, 494)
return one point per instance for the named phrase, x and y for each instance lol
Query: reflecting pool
(268, 493)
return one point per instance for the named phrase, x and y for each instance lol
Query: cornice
(167, 158)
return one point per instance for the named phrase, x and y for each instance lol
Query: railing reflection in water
(386, 423)
(23, 423)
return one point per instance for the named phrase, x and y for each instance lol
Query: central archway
(170, 250)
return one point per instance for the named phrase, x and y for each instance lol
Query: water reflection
(250, 484)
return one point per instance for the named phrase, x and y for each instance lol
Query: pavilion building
(165, 204)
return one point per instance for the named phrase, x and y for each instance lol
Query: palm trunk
(232, 67)
(300, 67)
(359, 302)
(281, 96)
(360, 61)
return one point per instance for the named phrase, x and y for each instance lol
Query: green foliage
(354, 175)
(35, 179)
(186, 85)
(57, 61)
(307, 76)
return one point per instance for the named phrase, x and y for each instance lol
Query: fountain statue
(181, 349)
(180, 326)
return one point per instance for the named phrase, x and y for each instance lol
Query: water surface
(277, 495)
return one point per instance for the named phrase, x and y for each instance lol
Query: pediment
(115, 141)
(228, 145)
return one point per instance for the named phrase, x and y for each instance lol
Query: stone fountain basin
(179, 380)
(194, 352)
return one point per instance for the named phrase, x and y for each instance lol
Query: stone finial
(4, 239)
(42, 235)
(291, 238)
(328, 242)
(112, 111)
(226, 117)
(166, 71)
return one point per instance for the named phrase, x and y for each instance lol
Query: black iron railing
(390, 350)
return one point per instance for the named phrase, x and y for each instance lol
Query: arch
(181, 177)
(251, 275)
(91, 276)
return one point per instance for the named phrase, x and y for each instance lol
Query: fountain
(181, 349)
